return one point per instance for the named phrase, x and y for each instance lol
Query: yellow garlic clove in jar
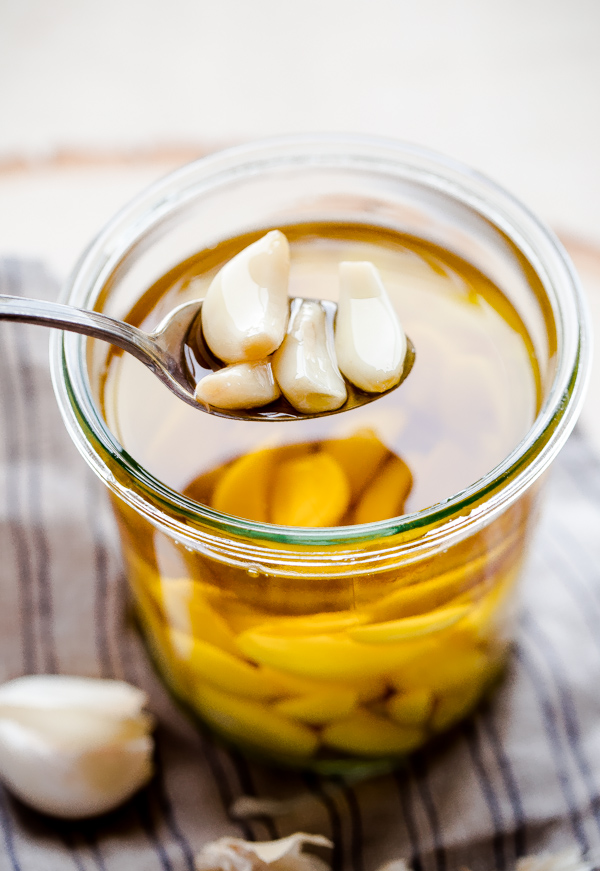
(360, 455)
(311, 624)
(454, 706)
(364, 732)
(369, 342)
(254, 723)
(287, 684)
(412, 708)
(309, 491)
(231, 674)
(329, 657)
(409, 627)
(245, 311)
(386, 494)
(305, 366)
(243, 487)
(319, 708)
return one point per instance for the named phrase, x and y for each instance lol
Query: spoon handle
(77, 320)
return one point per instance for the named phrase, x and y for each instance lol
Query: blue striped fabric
(520, 777)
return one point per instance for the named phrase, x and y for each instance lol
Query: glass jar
(337, 649)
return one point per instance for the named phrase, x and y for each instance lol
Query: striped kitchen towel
(522, 776)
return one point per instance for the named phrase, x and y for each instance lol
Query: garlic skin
(73, 747)
(245, 311)
(284, 854)
(304, 366)
(241, 385)
(569, 859)
(370, 343)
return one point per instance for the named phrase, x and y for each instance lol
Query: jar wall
(340, 650)
(331, 672)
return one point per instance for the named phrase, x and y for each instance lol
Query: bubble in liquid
(253, 571)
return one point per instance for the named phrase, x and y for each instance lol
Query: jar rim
(477, 503)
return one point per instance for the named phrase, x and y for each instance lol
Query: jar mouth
(476, 504)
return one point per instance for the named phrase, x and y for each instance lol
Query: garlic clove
(245, 311)
(370, 343)
(71, 784)
(304, 366)
(283, 854)
(80, 757)
(241, 385)
(67, 691)
(76, 730)
(569, 859)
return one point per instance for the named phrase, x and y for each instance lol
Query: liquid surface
(336, 482)
(471, 397)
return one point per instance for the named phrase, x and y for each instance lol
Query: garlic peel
(569, 859)
(283, 854)
(80, 758)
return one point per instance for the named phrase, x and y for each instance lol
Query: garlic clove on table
(370, 343)
(69, 691)
(245, 311)
(304, 366)
(73, 747)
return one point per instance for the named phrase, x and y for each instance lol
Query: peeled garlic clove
(305, 367)
(82, 756)
(66, 691)
(284, 854)
(241, 385)
(72, 784)
(245, 311)
(370, 343)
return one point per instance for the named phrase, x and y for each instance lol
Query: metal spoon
(175, 351)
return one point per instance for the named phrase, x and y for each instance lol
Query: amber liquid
(330, 670)
(470, 398)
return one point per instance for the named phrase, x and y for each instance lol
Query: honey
(328, 663)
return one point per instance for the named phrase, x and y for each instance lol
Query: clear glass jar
(339, 649)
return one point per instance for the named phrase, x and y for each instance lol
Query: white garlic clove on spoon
(73, 747)
(370, 343)
(241, 385)
(245, 311)
(304, 365)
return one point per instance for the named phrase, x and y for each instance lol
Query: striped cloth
(521, 777)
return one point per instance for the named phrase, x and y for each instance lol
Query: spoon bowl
(176, 351)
